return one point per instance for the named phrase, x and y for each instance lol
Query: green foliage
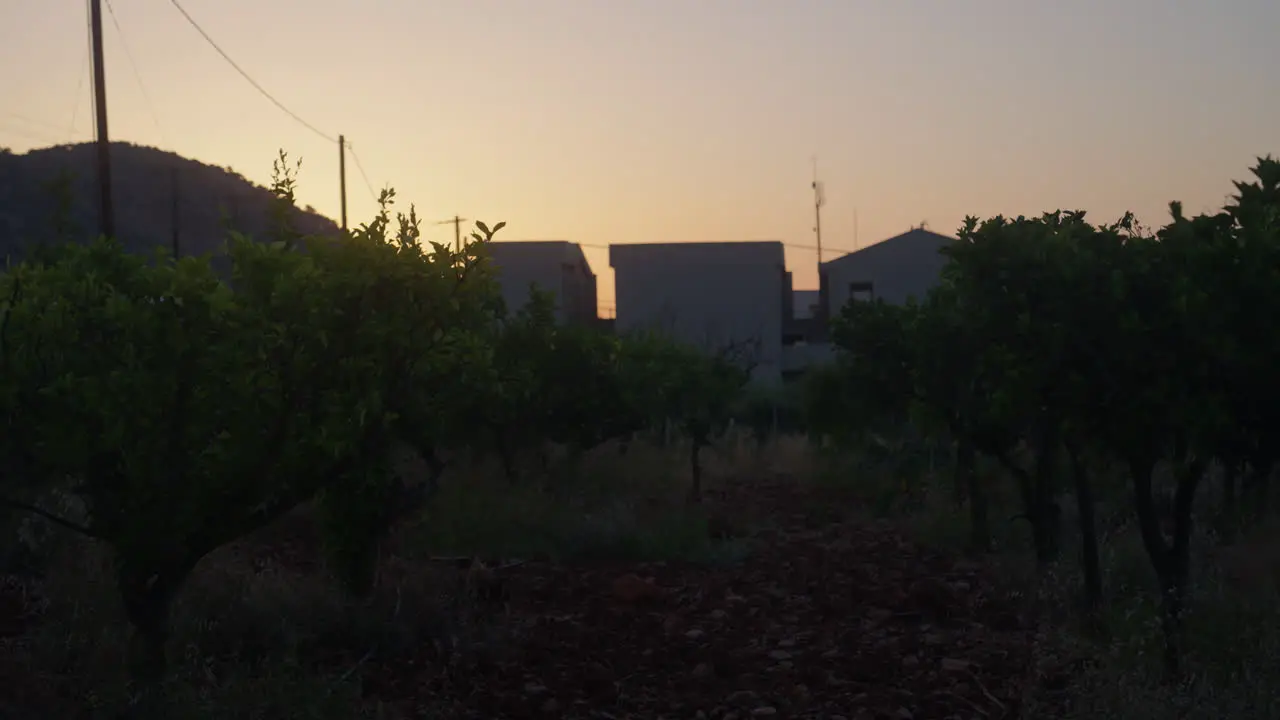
(184, 409)
(1115, 347)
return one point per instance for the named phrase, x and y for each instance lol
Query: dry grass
(1233, 623)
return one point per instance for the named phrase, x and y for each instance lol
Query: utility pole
(342, 176)
(456, 222)
(106, 211)
(173, 213)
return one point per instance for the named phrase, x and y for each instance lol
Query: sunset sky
(619, 121)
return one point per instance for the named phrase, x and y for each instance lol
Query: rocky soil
(821, 622)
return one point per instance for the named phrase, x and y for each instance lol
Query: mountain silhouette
(51, 195)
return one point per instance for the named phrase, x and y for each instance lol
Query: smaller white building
(711, 295)
(904, 266)
(554, 266)
(806, 303)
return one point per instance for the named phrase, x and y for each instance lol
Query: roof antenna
(819, 199)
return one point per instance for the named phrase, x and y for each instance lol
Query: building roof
(758, 252)
(532, 251)
(918, 237)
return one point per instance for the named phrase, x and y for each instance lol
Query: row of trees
(185, 409)
(1072, 354)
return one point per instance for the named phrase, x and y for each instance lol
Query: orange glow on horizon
(604, 121)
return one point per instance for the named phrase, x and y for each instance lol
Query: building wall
(908, 265)
(804, 302)
(706, 294)
(554, 266)
(799, 358)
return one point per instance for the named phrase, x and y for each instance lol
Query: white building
(807, 303)
(710, 295)
(906, 265)
(553, 266)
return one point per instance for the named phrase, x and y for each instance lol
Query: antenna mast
(819, 199)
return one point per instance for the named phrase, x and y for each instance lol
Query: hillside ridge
(210, 200)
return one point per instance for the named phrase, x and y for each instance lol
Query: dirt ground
(823, 618)
(826, 622)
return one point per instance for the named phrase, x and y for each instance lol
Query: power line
(360, 168)
(146, 97)
(26, 134)
(247, 77)
(42, 124)
(297, 118)
(75, 108)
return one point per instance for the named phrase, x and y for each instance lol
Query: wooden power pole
(106, 211)
(174, 217)
(456, 222)
(342, 176)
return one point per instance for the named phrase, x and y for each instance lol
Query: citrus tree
(184, 410)
(1063, 349)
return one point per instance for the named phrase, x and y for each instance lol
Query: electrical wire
(248, 77)
(364, 176)
(137, 76)
(27, 134)
(360, 168)
(44, 125)
(354, 156)
(75, 107)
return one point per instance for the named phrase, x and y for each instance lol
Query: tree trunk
(1047, 523)
(435, 469)
(507, 457)
(1040, 510)
(695, 466)
(966, 461)
(544, 459)
(1256, 487)
(148, 601)
(1229, 524)
(1089, 557)
(966, 474)
(1170, 560)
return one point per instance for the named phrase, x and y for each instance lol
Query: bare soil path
(822, 620)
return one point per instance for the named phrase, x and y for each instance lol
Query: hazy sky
(615, 121)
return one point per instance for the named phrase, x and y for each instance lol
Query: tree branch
(45, 514)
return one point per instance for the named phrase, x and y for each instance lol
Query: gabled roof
(915, 237)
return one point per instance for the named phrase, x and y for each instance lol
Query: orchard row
(1073, 354)
(185, 409)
